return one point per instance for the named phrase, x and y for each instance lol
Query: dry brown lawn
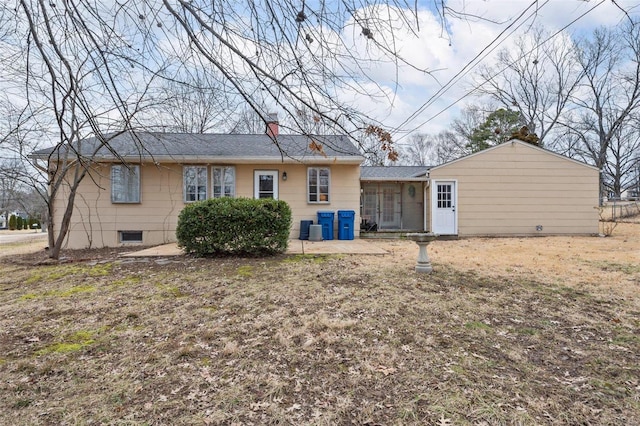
(505, 331)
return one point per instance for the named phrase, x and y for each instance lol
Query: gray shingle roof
(181, 146)
(392, 172)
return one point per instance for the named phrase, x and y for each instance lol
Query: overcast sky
(447, 53)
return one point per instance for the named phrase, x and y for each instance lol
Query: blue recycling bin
(346, 219)
(325, 219)
(304, 229)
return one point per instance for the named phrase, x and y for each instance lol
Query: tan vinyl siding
(96, 220)
(512, 188)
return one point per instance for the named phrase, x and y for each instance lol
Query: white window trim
(224, 168)
(184, 182)
(328, 200)
(128, 167)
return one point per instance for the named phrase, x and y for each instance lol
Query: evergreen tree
(498, 128)
(524, 135)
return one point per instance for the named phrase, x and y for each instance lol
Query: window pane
(313, 177)
(318, 184)
(229, 181)
(224, 181)
(125, 184)
(266, 183)
(202, 183)
(217, 182)
(195, 183)
(324, 175)
(202, 192)
(444, 196)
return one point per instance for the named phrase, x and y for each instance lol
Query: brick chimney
(272, 125)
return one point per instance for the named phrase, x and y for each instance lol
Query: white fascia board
(235, 160)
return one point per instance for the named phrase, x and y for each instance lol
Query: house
(136, 189)
(510, 189)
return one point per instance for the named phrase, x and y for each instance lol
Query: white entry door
(265, 184)
(443, 206)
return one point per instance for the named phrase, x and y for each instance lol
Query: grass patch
(126, 281)
(477, 325)
(60, 293)
(245, 271)
(625, 268)
(171, 291)
(22, 403)
(311, 258)
(527, 331)
(626, 339)
(73, 343)
(55, 273)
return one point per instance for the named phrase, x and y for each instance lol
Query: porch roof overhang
(394, 173)
(395, 180)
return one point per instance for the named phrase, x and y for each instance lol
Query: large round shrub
(242, 226)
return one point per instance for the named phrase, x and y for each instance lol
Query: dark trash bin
(325, 219)
(346, 219)
(304, 229)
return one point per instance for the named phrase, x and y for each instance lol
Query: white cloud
(446, 53)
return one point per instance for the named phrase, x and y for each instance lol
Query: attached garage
(513, 189)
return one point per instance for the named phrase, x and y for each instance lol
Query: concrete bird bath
(423, 239)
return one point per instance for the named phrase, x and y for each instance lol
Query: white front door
(265, 184)
(443, 206)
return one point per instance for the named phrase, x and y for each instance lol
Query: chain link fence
(618, 210)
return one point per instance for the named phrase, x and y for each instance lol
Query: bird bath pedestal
(423, 239)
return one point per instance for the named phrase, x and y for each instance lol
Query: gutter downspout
(426, 205)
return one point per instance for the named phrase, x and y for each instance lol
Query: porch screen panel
(369, 205)
(388, 204)
(412, 207)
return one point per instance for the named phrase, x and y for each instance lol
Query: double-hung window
(195, 183)
(224, 181)
(125, 183)
(318, 184)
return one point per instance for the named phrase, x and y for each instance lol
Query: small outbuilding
(512, 189)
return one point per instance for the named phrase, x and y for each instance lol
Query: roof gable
(504, 145)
